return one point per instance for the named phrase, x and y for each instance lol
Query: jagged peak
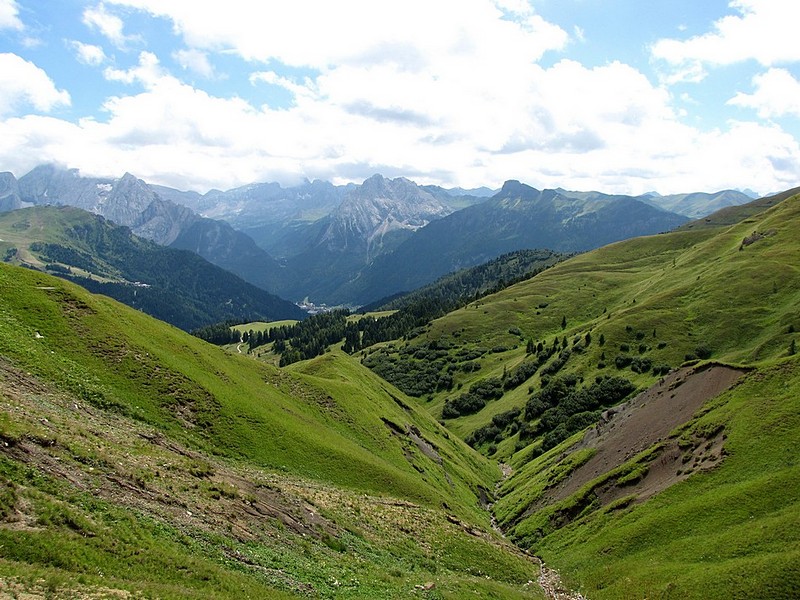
(515, 188)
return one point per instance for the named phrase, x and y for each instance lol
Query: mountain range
(131, 202)
(355, 244)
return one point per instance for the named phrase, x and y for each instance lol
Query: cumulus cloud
(147, 72)
(451, 93)
(23, 84)
(88, 54)
(350, 30)
(763, 30)
(9, 15)
(777, 94)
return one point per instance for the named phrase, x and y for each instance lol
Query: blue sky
(622, 96)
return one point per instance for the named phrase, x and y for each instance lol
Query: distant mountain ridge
(698, 204)
(380, 207)
(133, 203)
(517, 217)
(353, 244)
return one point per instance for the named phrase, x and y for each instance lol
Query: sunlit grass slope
(731, 532)
(729, 293)
(662, 296)
(139, 458)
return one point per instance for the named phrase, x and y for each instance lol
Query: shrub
(520, 374)
(474, 400)
(621, 361)
(703, 351)
(662, 369)
(556, 365)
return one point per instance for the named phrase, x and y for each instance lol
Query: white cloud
(195, 61)
(9, 15)
(304, 89)
(111, 26)
(147, 72)
(763, 30)
(446, 92)
(23, 83)
(319, 33)
(605, 128)
(777, 94)
(88, 54)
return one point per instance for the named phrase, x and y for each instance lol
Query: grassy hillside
(138, 458)
(725, 532)
(635, 310)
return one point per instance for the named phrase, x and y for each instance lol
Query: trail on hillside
(549, 579)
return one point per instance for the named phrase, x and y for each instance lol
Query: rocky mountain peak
(378, 207)
(9, 192)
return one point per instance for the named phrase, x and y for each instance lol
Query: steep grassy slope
(724, 524)
(139, 458)
(732, 531)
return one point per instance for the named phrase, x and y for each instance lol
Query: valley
(491, 300)
(626, 414)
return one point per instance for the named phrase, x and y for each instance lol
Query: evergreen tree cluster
(58, 253)
(475, 399)
(417, 370)
(219, 333)
(562, 408)
(303, 340)
(311, 337)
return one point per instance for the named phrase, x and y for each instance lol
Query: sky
(618, 96)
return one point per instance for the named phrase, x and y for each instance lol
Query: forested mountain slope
(173, 285)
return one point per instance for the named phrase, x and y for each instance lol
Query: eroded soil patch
(635, 426)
